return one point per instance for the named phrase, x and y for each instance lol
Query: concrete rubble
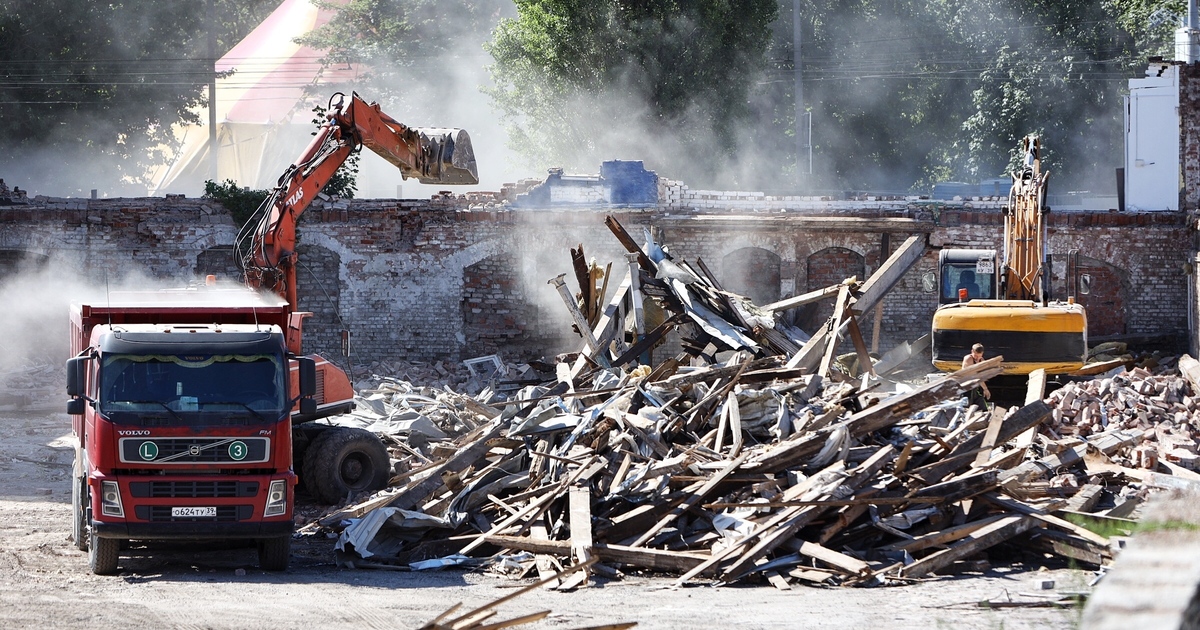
(757, 454)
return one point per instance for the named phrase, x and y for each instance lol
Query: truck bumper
(191, 531)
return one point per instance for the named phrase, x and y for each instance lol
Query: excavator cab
(966, 274)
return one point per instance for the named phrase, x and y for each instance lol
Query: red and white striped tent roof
(263, 108)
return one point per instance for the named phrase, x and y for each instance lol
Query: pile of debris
(754, 454)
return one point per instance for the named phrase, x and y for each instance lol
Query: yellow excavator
(1010, 312)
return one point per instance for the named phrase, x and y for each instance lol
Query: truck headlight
(276, 498)
(110, 499)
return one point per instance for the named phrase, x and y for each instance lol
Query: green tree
(406, 49)
(909, 92)
(90, 89)
(584, 80)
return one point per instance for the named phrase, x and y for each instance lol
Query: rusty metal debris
(758, 454)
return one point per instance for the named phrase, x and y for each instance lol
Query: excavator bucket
(451, 160)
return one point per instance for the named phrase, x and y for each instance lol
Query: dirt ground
(45, 582)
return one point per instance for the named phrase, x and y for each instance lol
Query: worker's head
(977, 350)
(967, 276)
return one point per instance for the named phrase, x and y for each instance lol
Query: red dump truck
(192, 407)
(182, 403)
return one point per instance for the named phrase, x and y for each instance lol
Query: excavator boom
(267, 243)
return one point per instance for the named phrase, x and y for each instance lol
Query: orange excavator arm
(266, 245)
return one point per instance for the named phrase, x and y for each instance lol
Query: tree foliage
(91, 89)
(406, 48)
(617, 78)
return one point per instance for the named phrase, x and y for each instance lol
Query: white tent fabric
(263, 109)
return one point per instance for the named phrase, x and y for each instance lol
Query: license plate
(193, 511)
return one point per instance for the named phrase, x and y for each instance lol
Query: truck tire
(274, 553)
(103, 554)
(344, 460)
(79, 513)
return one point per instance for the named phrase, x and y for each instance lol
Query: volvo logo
(133, 432)
(194, 450)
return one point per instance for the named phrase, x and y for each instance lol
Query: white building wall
(1152, 169)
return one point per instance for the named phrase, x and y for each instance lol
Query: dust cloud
(38, 294)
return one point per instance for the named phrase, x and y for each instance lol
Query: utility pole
(212, 91)
(803, 123)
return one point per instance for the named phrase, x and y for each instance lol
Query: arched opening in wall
(496, 314)
(1105, 303)
(752, 272)
(827, 267)
(15, 262)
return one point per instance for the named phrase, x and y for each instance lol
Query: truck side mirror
(308, 406)
(1085, 284)
(76, 406)
(308, 376)
(77, 376)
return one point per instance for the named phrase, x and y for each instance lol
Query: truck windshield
(229, 384)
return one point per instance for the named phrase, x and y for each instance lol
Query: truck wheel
(344, 460)
(274, 553)
(103, 554)
(79, 513)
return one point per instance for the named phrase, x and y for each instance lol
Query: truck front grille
(193, 489)
(208, 450)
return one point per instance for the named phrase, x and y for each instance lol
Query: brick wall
(443, 278)
(1189, 141)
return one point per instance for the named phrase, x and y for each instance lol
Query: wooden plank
(801, 300)
(1014, 505)
(1037, 469)
(1068, 546)
(579, 498)
(976, 541)
(885, 247)
(836, 559)
(583, 277)
(530, 508)
(840, 312)
(941, 537)
(544, 563)
(631, 245)
(653, 559)
(872, 292)
(989, 437)
(865, 365)
(962, 456)
(1092, 369)
(1035, 390)
(690, 500)
(581, 321)
(901, 353)
(963, 487)
(417, 492)
(1086, 498)
(737, 439)
(784, 525)
(604, 331)
(648, 341)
